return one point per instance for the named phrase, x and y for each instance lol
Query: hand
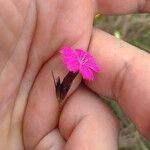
(34, 32)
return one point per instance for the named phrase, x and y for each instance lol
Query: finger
(125, 72)
(51, 141)
(66, 27)
(42, 110)
(117, 7)
(12, 73)
(86, 123)
(43, 46)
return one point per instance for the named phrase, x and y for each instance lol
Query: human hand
(32, 32)
(28, 57)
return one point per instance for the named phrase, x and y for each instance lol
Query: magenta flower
(79, 61)
(76, 61)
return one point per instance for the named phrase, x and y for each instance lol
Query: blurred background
(134, 29)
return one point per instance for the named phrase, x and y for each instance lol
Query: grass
(134, 29)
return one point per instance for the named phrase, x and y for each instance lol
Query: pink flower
(79, 61)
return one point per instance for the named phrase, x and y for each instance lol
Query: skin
(31, 34)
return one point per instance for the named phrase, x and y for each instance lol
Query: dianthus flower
(76, 61)
(79, 61)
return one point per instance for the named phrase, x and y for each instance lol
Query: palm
(28, 57)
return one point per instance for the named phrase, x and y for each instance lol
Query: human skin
(31, 34)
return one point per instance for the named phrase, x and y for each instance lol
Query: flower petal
(86, 73)
(73, 67)
(80, 53)
(92, 65)
(70, 59)
(67, 53)
(83, 56)
(79, 60)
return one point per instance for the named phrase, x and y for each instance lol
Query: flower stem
(66, 84)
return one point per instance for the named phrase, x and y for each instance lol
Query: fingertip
(87, 123)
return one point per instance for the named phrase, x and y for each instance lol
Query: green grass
(134, 29)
